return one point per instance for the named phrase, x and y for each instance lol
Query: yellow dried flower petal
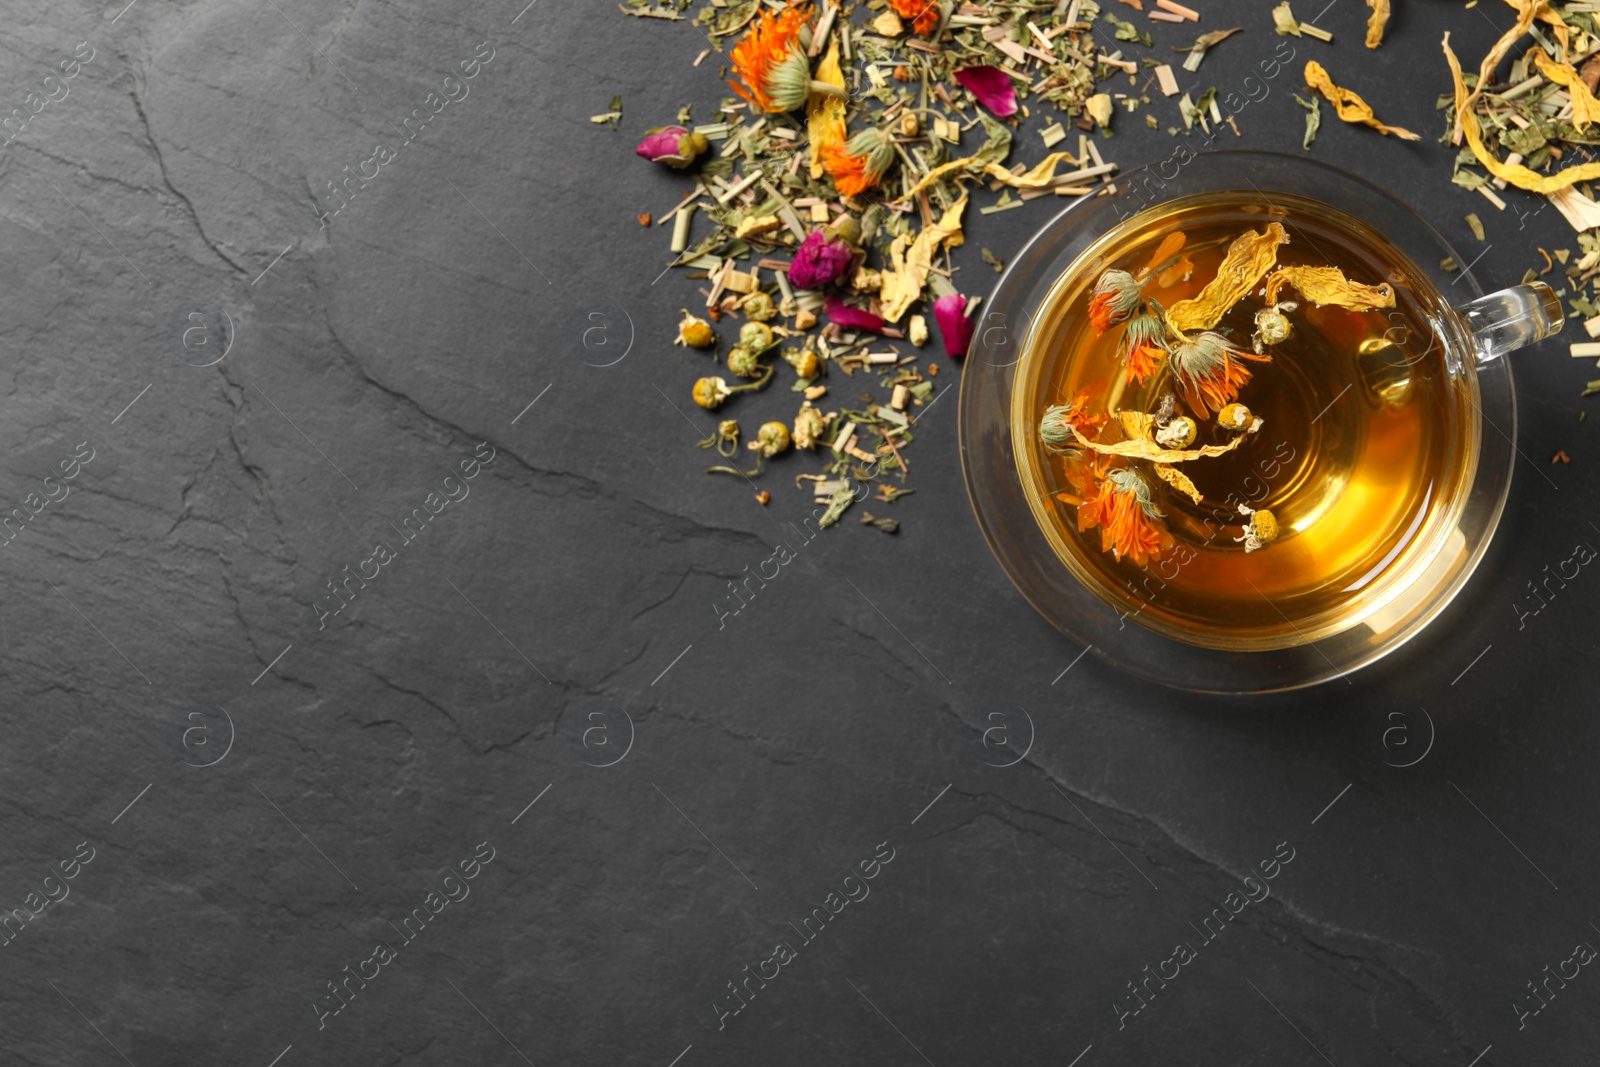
(825, 123)
(1249, 257)
(1179, 481)
(1377, 21)
(1349, 106)
(902, 285)
(1037, 178)
(1328, 285)
(1585, 108)
(1515, 173)
(1146, 448)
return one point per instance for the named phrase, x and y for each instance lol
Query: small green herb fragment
(1313, 118)
(842, 498)
(1591, 389)
(888, 526)
(1476, 225)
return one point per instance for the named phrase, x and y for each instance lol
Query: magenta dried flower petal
(993, 88)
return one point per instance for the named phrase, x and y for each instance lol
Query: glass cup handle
(1512, 318)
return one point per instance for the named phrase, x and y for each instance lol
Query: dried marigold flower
(1143, 345)
(1130, 523)
(923, 14)
(771, 438)
(860, 162)
(695, 333)
(773, 65)
(1209, 371)
(1116, 295)
(1055, 428)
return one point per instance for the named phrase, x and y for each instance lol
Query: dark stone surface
(469, 678)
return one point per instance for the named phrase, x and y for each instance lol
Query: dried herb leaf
(1207, 40)
(1178, 480)
(1313, 118)
(1475, 224)
(1377, 21)
(1349, 106)
(1249, 257)
(1514, 173)
(1328, 285)
(842, 498)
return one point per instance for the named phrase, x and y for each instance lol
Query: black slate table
(529, 796)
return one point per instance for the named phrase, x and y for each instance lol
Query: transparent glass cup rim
(1476, 332)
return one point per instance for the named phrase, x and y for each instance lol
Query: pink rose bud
(672, 146)
(820, 261)
(954, 326)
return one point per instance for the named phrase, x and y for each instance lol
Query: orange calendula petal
(1328, 285)
(1249, 257)
(1349, 106)
(1515, 173)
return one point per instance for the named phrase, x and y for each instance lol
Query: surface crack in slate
(677, 526)
(161, 165)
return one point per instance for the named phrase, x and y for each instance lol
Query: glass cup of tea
(1244, 422)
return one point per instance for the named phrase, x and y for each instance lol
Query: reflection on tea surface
(1303, 526)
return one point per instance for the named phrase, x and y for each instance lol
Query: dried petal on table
(1377, 21)
(902, 285)
(1348, 105)
(1585, 108)
(825, 122)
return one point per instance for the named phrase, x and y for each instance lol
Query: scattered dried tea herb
(1313, 118)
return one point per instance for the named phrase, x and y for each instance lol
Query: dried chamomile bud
(726, 438)
(1260, 531)
(695, 333)
(1176, 433)
(1272, 326)
(758, 307)
(804, 361)
(772, 438)
(756, 336)
(1234, 417)
(709, 393)
(809, 426)
(743, 362)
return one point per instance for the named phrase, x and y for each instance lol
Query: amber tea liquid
(1365, 451)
